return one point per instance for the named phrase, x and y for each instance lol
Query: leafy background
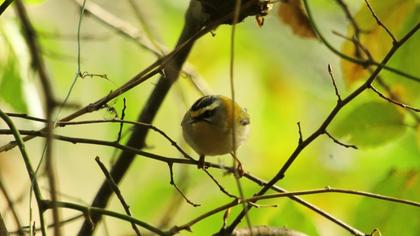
(281, 79)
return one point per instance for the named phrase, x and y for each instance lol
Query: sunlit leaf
(418, 136)
(371, 124)
(11, 87)
(389, 217)
(11, 83)
(292, 14)
(34, 1)
(393, 14)
(290, 217)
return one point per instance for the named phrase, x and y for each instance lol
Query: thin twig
(218, 184)
(117, 192)
(61, 223)
(334, 84)
(304, 203)
(274, 187)
(35, 50)
(49, 101)
(95, 210)
(174, 204)
(146, 25)
(147, 73)
(172, 182)
(131, 32)
(394, 40)
(267, 230)
(236, 164)
(122, 123)
(29, 168)
(357, 30)
(357, 43)
(338, 142)
(205, 215)
(11, 206)
(149, 126)
(125, 148)
(361, 62)
(300, 133)
(394, 101)
(393, 98)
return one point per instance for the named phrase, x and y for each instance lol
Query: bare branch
(95, 210)
(172, 182)
(338, 142)
(5, 5)
(117, 192)
(29, 168)
(267, 230)
(224, 207)
(334, 84)
(349, 58)
(122, 123)
(218, 184)
(50, 102)
(393, 101)
(280, 174)
(300, 133)
(394, 40)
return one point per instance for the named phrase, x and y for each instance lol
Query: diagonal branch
(5, 5)
(394, 40)
(117, 191)
(321, 130)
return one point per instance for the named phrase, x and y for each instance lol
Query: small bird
(208, 125)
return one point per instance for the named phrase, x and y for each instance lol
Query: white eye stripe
(209, 107)
(212, 106)
(203, 102)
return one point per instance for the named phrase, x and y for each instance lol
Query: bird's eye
(207, 114)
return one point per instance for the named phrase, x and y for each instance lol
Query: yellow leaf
(352, 72)
(393, 14)
(292, 14)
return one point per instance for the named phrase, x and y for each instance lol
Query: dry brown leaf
(292, 14)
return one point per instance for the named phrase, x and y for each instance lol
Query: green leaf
(34, 1)
(389, 217)
(371, 124)
(11, 87)
(290, 217)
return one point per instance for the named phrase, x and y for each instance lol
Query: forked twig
(172, 182)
